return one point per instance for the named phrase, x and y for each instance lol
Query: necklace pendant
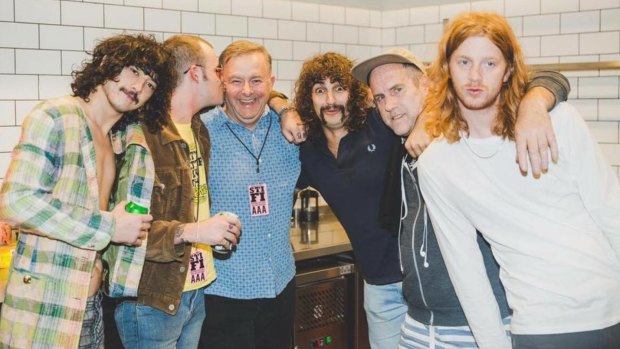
(257, 166)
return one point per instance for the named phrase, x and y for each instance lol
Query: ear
(195, 72)
(272, 79)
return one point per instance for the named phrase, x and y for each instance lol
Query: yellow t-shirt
(201, 271)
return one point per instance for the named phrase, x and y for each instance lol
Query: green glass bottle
(132, 207)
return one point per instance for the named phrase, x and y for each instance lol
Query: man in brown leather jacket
(169, 309)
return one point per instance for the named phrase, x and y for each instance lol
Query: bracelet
(285, 110)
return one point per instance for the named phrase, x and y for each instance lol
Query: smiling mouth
(397, 117)
(247, 101)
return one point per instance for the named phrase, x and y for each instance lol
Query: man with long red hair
(556, 238)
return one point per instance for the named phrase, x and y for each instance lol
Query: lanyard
(257, 158)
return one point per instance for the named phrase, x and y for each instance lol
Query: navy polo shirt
(352, 186)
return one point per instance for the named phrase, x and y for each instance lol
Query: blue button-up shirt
(263, 263)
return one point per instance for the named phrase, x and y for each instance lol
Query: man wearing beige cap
(434, 318)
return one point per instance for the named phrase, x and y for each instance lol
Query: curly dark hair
(109, 58)
(336, 67)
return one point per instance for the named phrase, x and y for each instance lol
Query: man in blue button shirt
(253, 173)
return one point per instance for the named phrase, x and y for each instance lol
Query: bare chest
(106, 170)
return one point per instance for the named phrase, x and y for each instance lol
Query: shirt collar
(221, 117)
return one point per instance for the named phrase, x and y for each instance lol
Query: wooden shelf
(578, 66)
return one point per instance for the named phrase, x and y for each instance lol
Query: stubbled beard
(330, 106)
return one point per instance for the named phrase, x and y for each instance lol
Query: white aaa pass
(259, 201)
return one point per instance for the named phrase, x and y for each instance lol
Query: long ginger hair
(442, 103)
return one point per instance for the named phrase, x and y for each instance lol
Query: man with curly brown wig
(345, 158)
(58, 186)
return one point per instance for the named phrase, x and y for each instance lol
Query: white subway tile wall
(331, 14)
(264, 28)
(42, 41)
(410, 35)
(252, 8)
(280, 49)
(185, 5)
(7, 113)
(305, 12)
(123, 17)
(345, 34)
(359, 17)
(555, 6)
(57, 37)
(449, 11)
(290, 30)
(7, 61)
(610, 19)
(6, 10)
(395, 18)
(521, 7)
(37, 11)
(81, 13)
(280, 9)
(424, 15)
(197, 23)
(496, 6)
(541, 25)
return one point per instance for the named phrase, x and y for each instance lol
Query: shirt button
(269, 235)
(182, 269)
(27, 279)
(171, 307)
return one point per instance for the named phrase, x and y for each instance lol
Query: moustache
(133, 95)
(340, 107)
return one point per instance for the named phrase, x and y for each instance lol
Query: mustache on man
(132, 94)
(332, 106)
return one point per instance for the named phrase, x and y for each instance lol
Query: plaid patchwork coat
(51, 192)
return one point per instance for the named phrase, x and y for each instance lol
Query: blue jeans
(143, 327)
(385, 311)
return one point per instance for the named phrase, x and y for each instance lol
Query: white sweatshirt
(557, 238)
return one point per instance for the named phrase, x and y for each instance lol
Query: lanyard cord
(257, 158)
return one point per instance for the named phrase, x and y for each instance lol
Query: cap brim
(362, 70)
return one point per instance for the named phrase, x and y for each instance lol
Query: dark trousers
(264, 323)
(112, 339)
(606, 338)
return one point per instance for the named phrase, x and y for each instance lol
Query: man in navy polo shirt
(346, 158)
